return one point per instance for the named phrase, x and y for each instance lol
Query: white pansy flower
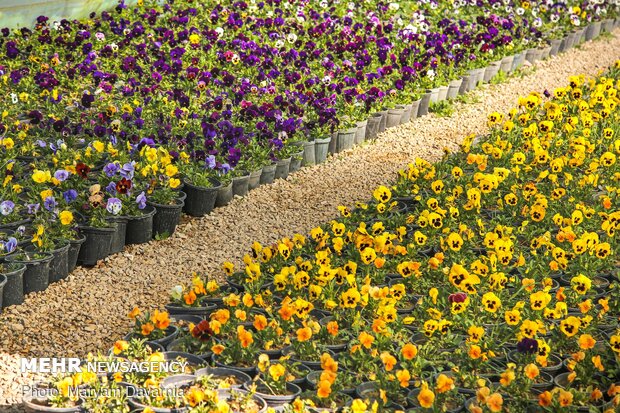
(176, 292)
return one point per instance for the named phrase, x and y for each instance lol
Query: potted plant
(192, 299)
(168, 206)
(272, 383)
(153, 327)
(237, 352)
(37, 262)
(97, 229)
(201, 186)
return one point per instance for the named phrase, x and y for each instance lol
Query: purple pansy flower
(61, 175)
(141, 200)
(50, 203)
(114, 206)
(6, 207)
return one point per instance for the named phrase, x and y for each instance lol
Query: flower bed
(107, 119)
(487, 280)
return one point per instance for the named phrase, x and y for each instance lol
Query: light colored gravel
(87, 311)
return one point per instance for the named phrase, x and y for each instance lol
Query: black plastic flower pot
(249, 370)
(200, 200)
(15, 224)
(166, 218)
(140, 228)
(136, 406)
(333, 143)
(178, 381)
(268, 174)
(321, 149)
(36, 276)
(13, 290)
(170, 334)
(192, 360)
(203, 310)
(254, 181)
(309, 157)
(372, 127)
(383, 122)
(346, 139)
(74, 250)
(424, 104)
(296, 162)
(119, 236)
(33, 404)
(3, 281)
(97, 244)
(59, 266)
(224, 195)
(177, 346)
(394, 117)
(276, 400)
(241, 378)
(282, 168)
(360, 132)
(241, 185)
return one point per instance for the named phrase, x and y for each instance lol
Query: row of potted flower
(486, 281)
(501, 34)
(101, 191)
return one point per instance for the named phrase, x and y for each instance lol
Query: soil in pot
(249, 370)
(229, 378)
(275, 400)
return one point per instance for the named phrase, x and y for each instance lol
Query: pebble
(96, 300)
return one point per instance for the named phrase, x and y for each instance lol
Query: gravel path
(86, 312)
